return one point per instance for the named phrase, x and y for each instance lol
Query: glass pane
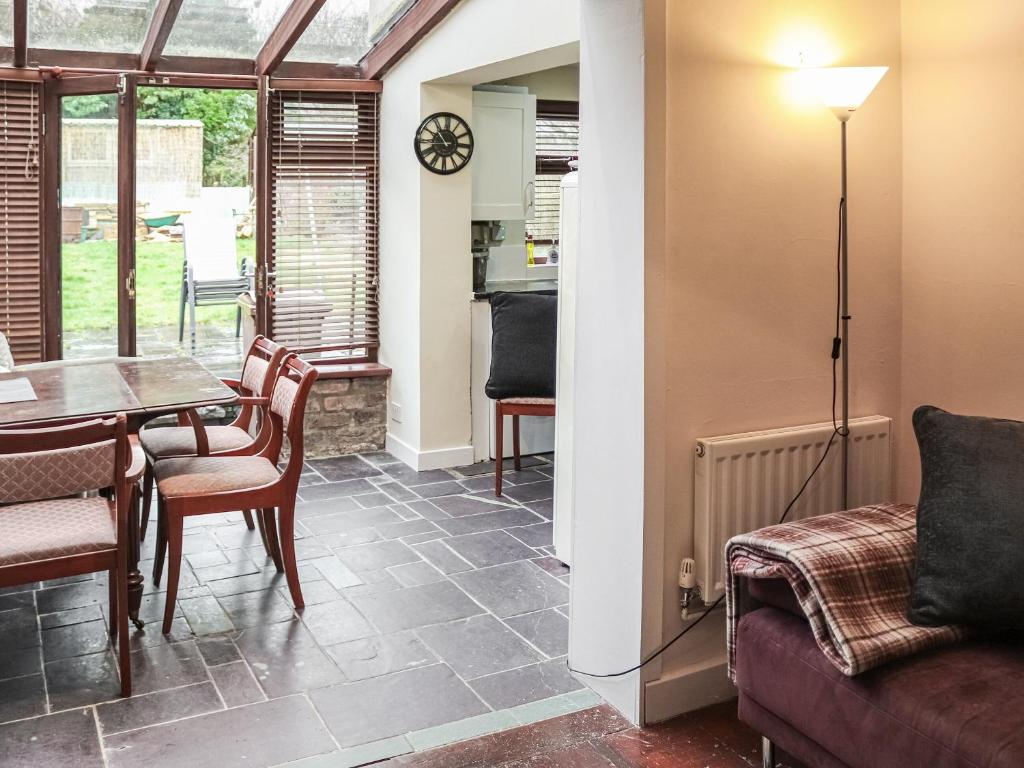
(194, 201)
(89, 225)
(89, 25)
(224, 28)
(338, 34)
(6, 22)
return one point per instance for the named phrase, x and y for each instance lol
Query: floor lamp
(843, 90)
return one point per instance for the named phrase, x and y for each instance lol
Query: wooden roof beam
(416, 24)
(20, 33)
(287, 32)
(160, 25)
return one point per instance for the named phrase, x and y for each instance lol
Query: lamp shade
(843, 89)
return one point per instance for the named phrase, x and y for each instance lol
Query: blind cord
(837, 431)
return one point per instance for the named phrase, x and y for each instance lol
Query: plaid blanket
(851, 573)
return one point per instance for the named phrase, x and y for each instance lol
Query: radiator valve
(688, 588)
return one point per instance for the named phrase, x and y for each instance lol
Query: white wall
(609, 380)
(426, 271)
(556, 84)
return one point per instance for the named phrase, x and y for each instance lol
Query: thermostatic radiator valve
(688, 588)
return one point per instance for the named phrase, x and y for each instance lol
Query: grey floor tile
(355, 519)
(397, 491)
(435, 490)
(391, 705)
(379, 458)
(490, 548)
(461, 506)
(371, 500)
(75, 640)
(348, 538)
(19, 629)
(63, 740)
(344, 468)
(374, 582)
(531, 491)
(335, 490)
(335, 572)
(237, 684)
(478, 646)
(480, 484)
(158, 707)
(240, 567)
(285, 658)
(416, 574)
(538, 535)
(336, 622)
(442, 557)
(416, 606)
(22, 697)
(255, 736)
(313, 592)
(205, 615)
(406, 528)
(20, 662)
(218, 650)
(167, 666)
(255, 582)
(513, 588)
(543, 507)
(526, 684)
(380, 554)
(307, 509)
(250, 609)
(552, 565)
(14, 600)
(427, 510)
(410, 477)
(82, 680)
(381, 655)
(547, 630)
(71, 616)
(489, 521)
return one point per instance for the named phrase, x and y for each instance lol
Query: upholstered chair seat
(163, 442)
(30, 532)
(528, 400)
(195, 475)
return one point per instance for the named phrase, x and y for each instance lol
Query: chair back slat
(254, 374)
(295, 379)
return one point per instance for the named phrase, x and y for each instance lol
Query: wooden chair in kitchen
(523, 359)
(202, 485)
(50, 531)
(258, 375)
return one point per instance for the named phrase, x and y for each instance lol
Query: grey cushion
(970, 523)
(523, 345)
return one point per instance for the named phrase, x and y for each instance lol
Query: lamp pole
(844, 313)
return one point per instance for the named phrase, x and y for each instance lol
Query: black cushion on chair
(523, 345)
(970, 523)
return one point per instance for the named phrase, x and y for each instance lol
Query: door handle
(129, 284)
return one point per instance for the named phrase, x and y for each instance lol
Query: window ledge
(351, 370)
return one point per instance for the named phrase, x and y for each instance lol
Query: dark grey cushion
(523, 340)
(970, 523)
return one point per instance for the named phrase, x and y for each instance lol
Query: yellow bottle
(529, 250)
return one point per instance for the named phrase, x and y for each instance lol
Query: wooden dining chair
(258, 375)
(49, 531)
(202, 485)
(515, 407)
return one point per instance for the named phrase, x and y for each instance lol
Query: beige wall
(750, 192)
(557, 84)
(963, 230)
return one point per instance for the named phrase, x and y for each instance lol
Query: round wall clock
(443, 143)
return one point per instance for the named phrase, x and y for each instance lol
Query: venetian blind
(558, 138)
(20, 242)
(323, 242)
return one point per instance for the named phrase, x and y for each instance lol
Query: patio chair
(49, 531)
(202, 485)
(259, 372)
(210, 275)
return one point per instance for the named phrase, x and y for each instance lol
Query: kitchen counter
(516, 286)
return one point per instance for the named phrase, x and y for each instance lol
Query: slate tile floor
(434, 613)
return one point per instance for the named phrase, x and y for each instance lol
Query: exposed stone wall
(346, 416)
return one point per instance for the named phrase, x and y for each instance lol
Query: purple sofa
(958, 706)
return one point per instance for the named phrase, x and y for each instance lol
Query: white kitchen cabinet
(504, 160)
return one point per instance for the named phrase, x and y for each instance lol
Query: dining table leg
(135, 581)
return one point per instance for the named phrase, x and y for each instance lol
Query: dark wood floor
(601, 738)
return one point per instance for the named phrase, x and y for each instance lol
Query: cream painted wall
(963, 183)
(426, 271)
(750, 193)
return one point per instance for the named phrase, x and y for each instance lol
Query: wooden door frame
(126, 172)
(50, 224)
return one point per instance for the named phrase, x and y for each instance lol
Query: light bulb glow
(844, 89)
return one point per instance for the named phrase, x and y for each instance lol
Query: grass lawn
(89, 278)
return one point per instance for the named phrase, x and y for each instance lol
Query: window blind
(20, 241)
(558, 138)
(322, 261)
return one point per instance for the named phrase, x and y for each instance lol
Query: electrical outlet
(396, 412)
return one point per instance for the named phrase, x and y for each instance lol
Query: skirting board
(442, 458)
(686, 689)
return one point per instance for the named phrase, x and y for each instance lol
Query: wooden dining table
(142, 389)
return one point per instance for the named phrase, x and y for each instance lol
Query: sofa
(960, 705)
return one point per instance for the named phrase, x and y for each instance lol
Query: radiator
(743, 482)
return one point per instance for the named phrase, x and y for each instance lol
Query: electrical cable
(837, 431)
